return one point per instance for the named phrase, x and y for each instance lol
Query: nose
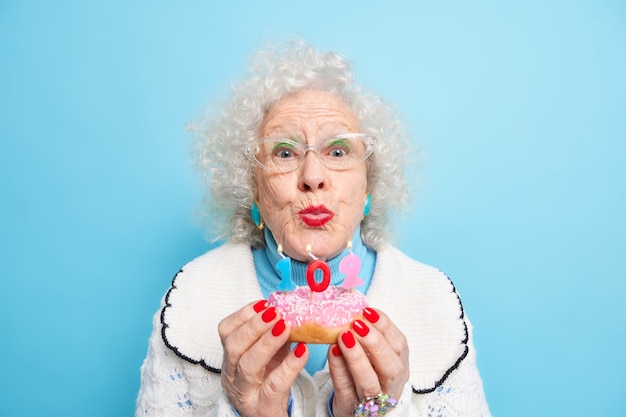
(312, 173)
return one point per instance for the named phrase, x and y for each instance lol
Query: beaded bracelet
(374, 406)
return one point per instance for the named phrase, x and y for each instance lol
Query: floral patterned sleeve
(171, 386)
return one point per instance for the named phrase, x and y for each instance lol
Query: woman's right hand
(258, 368)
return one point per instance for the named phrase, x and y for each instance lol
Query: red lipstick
(316, 216)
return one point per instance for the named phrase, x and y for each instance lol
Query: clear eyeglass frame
(338, 153)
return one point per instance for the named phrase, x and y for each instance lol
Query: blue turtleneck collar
(267, 258)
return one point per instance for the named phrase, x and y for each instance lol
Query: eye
(284, 153)
(284, 150)
(337, 148)
(338, 152)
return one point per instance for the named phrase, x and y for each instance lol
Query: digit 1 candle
(284, 266)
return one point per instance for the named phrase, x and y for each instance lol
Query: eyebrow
(284, 144)
(338, 142)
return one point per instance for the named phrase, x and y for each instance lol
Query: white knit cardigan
(180, 375)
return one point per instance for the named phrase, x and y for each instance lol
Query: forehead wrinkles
(310, 114)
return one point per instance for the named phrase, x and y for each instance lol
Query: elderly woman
(303, 164)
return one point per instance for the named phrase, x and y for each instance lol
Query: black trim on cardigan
(464, 341)
(164, 326)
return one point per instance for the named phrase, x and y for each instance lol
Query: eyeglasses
(285, 154)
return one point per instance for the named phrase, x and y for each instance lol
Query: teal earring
(368, 204)
(256, 216)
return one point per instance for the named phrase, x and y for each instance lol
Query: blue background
(519, 108)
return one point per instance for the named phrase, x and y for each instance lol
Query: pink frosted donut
(318, 317)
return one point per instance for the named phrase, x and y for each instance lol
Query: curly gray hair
(273, 73)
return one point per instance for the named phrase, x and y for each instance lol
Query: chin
(326, 242)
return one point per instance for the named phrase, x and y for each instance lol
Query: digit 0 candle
(310, 275)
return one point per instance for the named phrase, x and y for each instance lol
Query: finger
(279, 381)
(390, 368)
(343, 383)
(278, 358)
(242, 338)
(271, 395)
(261, 357)
(239, 317)
(365, 378)
(245, 327)
(380, 321)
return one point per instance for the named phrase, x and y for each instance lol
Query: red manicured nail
(371, 315)
(348, 339)
(299, 350)
(260, 306)
(360, 328)
(336, 351)
(269, 315)
(278, 328)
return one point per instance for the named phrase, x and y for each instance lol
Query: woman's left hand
(370, 359)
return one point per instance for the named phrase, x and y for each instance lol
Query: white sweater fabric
(180, 375)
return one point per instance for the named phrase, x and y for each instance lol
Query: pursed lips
(316, 216)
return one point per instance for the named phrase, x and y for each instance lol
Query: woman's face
(312, 204)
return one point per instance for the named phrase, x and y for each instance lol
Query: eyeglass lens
(339, 152)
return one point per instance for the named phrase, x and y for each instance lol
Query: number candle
(284, 266)
(351, 266)
(310, 275)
